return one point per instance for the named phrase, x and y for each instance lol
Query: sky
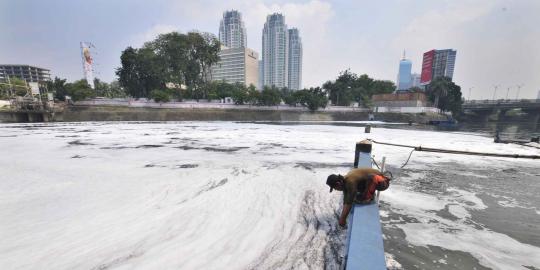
(497, 41)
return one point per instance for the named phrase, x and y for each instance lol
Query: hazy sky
(497, 42)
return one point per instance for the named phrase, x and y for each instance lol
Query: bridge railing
(500, 101)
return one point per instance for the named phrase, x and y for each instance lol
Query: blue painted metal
(365, 248)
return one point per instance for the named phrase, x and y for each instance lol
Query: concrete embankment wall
(112, 113)
(96, 113)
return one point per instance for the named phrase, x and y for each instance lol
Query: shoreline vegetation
(176, 67)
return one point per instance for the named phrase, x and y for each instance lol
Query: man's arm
(344, 213)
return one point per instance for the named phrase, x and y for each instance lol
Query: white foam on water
(125, 203)
(391, 263)
(492, 249)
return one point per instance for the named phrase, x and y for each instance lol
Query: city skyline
(364, 37)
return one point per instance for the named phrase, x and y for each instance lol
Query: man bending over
(358, 186)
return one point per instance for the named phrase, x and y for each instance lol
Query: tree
(240, 94)
(445, 95)
(58, 87)
(19, 86)
(270, 96)
(116, 91)
(141, 71)
(80, 90)
(312, 98)
(204, 49)
(253, 95)
(290, 97)
(102, 88)
(416, 89)
(160, 95)
(340, 92)
(181, 59)
(382, 87)
(350, 87)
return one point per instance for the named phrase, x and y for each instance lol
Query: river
(226, 195)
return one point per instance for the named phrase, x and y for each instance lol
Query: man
(358, 186)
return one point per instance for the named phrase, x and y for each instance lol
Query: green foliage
(4, 91)
(270, 96)
(239, 94)
(112, 90)
(141, 72)
(161, 95)
(312, 98)
(289, 97)
(182, 59)
(18, 87)
(445, 95)
(115, 90)
(58, 88)
(349, 87)
(253, 95)
(80, 90)
(416, 89)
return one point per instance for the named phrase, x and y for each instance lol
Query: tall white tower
(295, 60)
(232, 32)
(275, 51)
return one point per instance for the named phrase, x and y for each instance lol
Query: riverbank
(84, 113)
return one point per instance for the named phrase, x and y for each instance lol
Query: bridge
(485, 108)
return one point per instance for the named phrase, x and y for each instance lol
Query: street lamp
(519, 88)
(495, 90)
(507, 91)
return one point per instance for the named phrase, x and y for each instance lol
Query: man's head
(335, 181)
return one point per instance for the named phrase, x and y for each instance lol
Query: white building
(275, 51)
(232, 32)
(237, 65)
(295, 60)
(415, 77)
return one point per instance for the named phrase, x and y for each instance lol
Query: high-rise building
(260, 85)
(295, 60)
(275, 51)
(438, 63)
(538, 97)
(404, 74)
(237, 65)
(415, 78)
(232, 32)
(25, 72)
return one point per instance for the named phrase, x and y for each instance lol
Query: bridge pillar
(533, 117)
(501, 114)
(483, 115)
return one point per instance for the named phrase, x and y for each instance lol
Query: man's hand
(344, 214)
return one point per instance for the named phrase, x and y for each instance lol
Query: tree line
(177, 66)
(349, 87)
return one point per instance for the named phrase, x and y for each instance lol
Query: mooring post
(367, 129)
